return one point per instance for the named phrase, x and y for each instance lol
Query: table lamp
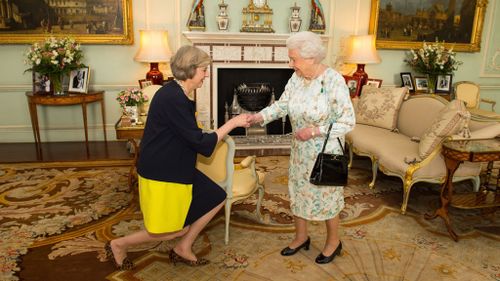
(154, 48)
(362, 51)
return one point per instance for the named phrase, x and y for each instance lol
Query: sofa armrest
(488, 132)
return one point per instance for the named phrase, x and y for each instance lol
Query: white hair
(309, 45)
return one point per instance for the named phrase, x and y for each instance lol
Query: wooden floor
(63, 151)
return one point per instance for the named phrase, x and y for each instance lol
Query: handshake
(246, 120)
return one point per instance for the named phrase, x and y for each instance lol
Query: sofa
(402, 135)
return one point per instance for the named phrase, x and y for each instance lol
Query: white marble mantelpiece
(235, 50)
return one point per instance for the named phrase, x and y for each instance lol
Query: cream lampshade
(362, 51)
(154, 48)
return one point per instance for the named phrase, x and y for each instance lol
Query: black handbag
(330, 169)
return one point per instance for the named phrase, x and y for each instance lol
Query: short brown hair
(185, 61)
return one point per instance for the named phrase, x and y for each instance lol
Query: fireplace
(243, 58)
(230, 78)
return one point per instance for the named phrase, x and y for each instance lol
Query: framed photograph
(407, 80)
(377, 83)
(421, 84)
(354, 85)
(89, 22)
(79, 80)
(41, 83)
(401, 24)
(143, 83)
(443, 83)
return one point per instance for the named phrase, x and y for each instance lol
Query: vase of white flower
(433, 60)
(56, 58)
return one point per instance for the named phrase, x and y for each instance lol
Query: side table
(130, 133)
(35, 99)
(456, 152)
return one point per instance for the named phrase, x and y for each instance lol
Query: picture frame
(377, 83)
(401, 27)
(407, 80)
(41, 83)
(443, 83)
(110, 22)
(143, 83)
(79, 80)
(353, 84)
(421, 84)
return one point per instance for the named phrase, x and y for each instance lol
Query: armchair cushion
(379, 107)
(451, 120)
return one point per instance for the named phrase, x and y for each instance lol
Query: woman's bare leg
(300, 232)
(120, 245)
(184, 247)
(332, 236)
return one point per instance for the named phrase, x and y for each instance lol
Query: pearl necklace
(184, 89)
(307, 81)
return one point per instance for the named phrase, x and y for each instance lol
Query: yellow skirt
(164, 205)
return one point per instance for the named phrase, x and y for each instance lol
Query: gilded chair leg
(259, 202)
(227, 210)
(374, 173)
(406, 197)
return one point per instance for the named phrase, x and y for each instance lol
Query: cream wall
(113, 67)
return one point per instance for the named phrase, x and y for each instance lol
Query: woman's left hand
(305, 133)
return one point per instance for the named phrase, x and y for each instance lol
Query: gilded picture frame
(400, 24)
(105, 22)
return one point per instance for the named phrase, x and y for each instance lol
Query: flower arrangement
(55, 57)
(433, 59)
(131, 97)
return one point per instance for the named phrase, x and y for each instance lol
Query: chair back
(468, 92)
(149, 91)
(219, 166)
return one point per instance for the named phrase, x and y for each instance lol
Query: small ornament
(317, 24)
(295, 20)
(222, 18)
(196, 19)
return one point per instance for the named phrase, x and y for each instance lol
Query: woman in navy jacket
(176, 199)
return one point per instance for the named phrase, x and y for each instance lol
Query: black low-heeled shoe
(322, 259)
(289, 251)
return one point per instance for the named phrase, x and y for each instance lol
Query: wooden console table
(35, 99)
(456, 152)
(131, 133)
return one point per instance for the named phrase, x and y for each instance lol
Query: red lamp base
(154, 74)
(360, 72)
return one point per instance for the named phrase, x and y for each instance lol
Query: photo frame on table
(377, 83)
(41, 83)
(407, 80)
(353, 84)
(421, 84)
(79, 80)
(401, 27)
(443, 83)
(109, 23)
(143, 83)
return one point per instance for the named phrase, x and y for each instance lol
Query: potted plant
(130, 100)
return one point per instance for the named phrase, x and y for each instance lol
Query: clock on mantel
(257, 17)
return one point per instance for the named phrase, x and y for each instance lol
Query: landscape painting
(406, 24)
(88, 21)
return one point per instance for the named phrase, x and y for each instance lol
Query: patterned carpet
(55, 219)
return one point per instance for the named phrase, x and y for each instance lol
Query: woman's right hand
(255, 118)
(241, 120)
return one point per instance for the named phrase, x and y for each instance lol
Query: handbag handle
(326, 140)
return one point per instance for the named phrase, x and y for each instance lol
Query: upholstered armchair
(469, 92)
(240, 181)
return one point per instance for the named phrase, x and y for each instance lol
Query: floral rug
(379, 243)
(42, 200)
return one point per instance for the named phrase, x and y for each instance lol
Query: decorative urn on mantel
(223, 18)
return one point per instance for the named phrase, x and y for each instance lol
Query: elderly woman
(176, 199)
(314, 97)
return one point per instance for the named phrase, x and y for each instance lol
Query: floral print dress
(319, 103)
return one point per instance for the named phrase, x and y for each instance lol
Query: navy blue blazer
(172, 138)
